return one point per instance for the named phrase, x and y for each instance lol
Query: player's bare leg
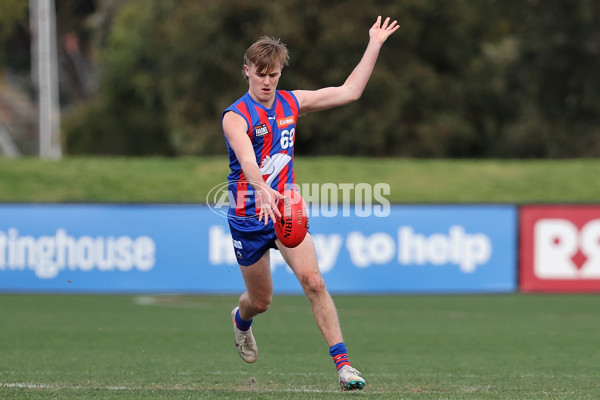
(256, 300)
(303, 261)
(259, 288)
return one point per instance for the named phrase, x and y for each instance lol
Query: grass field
(188, 180)
(408, 347)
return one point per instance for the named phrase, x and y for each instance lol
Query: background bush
(459, 79)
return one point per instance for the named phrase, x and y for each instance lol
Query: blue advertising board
(188, 249)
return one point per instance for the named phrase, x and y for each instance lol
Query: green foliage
(555, 79)
(13, 14)
(109, 127)
(128, 116)
(459, 79)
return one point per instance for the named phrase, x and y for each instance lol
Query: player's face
(263, 84)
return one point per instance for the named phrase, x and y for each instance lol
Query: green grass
(188, 180)
(408, 347)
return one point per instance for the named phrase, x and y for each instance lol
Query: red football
(293, 223)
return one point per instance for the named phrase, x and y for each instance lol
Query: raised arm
(353, 87)
(235, 127)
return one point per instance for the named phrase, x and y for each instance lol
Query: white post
(45, 74)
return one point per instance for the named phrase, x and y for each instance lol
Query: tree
(555, 78)
(13, 20)
(128, 115)
(461, 78)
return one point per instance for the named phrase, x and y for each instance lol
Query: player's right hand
(266, 200)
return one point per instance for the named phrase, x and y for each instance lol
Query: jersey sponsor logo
(286, 121)
(261, 130)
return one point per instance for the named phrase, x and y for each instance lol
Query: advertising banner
(102, 248)
(560, 248)
(188, 249)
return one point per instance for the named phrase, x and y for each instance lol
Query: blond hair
(266, 53)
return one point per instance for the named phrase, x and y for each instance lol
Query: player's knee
(261, 305)
(313, 283)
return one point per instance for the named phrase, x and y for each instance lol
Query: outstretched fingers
(385, 23)
(382, 31)
(393, 26)
(389, 27)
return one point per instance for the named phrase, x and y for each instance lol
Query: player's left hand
(379, 32)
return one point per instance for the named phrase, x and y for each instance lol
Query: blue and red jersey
(272, 132)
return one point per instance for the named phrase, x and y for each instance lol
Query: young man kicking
(260, 130)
